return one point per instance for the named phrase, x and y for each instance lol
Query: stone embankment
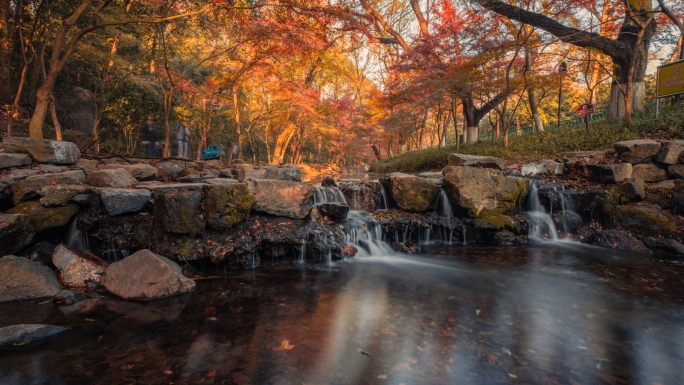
(168, 212)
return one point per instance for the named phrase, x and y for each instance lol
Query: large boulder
(227, 204)
(282, 198)
(43, 150)
(287, 172)
(608, 173)
(475, 161)
(676, 171)
(28, 188)
(637, 151)
(26, 335)
(334, 211)
(116, 177)
(630, 190)
(14, 160)
(24, 279)
(42, 218)
(411, 192)
(178, 213)
(60, 194)
(645, 220)
(120, 201)
(649, 172)
(139, 171)
(664, 246)
(476, 190)
(145, 275)
(168, 171)
(78, 269)
(618, 240)
(670, 151)
(16, 232)
(362, 195)
(545, 167)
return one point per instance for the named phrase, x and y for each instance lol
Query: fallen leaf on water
(285, 345)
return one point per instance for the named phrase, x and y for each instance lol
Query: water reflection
(463, 315)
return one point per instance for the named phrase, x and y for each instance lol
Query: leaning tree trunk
(538, 123)
(5, 51)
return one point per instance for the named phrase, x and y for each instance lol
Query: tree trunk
(5, 53)
(55, 122)
(536, 117)
(238, 127)
(282, 142)
(42, 105)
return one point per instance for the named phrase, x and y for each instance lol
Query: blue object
(214, 151)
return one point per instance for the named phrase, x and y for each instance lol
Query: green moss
(543, 145)
(227, 205)
(493, 220)
(42, 218)
(641, 221)
(515, 200)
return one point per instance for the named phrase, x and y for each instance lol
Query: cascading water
(443, 206)
(77, 239)
(383, 204)
(541, 226)
(366, 235)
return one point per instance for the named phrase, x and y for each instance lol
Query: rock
(504, 237)
(28, 188)
(475, 190)
(18, 174)
(545, 167)
(220, 181)
(24, 279)
(670, 151)
(568, 221)
(431, 175)
(227, 173)
(644, 220)
(676, 171)
(139, 171)
(160, 187)
(664, 246)
(116, 177)
(475, 161)
(630, 190)
(43, 150)
(665, 185)
(51, 168)
(282, 198)
(145, 275)
(649, 172)
(334, 211)
(42, 218)
(328, 182)
(60, 194)
(361, 195)
(411, 192)
(25, 335)
(78, 269)
(618, 240)
(16, 233)
(195, 178)
(66, 297)
(14, 160)
(87, 165)
(227, 204)
(42, 253)
(637, 151)
(120, 201)
(608, 173)
(83, 199)
(168, 170)
(582, 154)
(178, 213)
(286, 172)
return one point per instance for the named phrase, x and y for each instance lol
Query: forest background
(326, 81)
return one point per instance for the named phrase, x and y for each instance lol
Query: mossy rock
(227, 205)
(411, 192)
(640, 220)
(495, 220)
(178, 212)
(42, 218)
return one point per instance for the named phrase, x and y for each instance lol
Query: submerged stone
(664, 246)
(145, 275)
(24, 279)
(22, 335)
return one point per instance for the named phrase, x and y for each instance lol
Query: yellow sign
(670, 79)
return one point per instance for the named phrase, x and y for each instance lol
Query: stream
(536, 314)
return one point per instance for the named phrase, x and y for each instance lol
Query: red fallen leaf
(168, 372)
(615, 244)
(89, 373)
(452, 319)
(200, 251)
(52, 182)
(210, 309)
(211, 374)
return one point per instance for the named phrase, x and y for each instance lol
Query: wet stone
(42, 217)
(24, 279)
(664, 246)
(23, 335)
(178, 213)
(16, 232)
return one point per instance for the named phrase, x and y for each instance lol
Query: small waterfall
(541, 226)
(324, 195)
(365, 235)
(463, 228)
(443, 206)
(383, 204)
(77, 239)
(568, 207)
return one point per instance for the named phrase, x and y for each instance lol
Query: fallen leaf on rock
(168, 372)
(285, 345)
(211, 374)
